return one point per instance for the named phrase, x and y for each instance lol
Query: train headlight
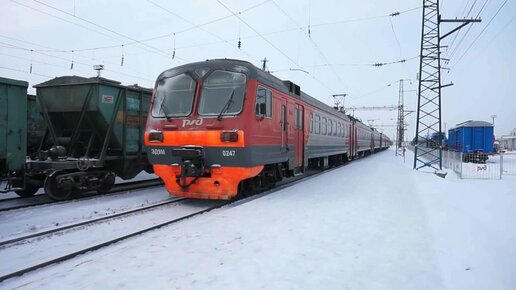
(155, 136)
(229, 136)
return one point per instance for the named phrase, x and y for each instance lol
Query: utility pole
(428, 120)
(400, 134)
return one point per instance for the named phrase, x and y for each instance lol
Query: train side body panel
(13, 126)
(473, 136)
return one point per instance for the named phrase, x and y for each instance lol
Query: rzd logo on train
(197, 122)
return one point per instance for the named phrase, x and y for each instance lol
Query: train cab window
(317, 124)
(174, 96)
(263, 102)
(222, 93)
(324, 126)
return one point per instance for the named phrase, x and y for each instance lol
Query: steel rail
(42, 199)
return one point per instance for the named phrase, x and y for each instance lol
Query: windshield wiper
(227, 105)
(164, 109)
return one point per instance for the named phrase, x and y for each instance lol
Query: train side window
(324, 126)
(263, 102)
(329, 127)
(334, 128)
(317, 124)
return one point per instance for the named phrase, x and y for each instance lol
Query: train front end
(195, 130)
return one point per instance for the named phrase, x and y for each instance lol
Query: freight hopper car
(94, 132)
(219, 128)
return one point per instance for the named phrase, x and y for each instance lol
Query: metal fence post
(501, 165)
(460, 160)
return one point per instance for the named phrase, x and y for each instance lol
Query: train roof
(14, 82)
(471, 123)
(78, 80)
(252, 71)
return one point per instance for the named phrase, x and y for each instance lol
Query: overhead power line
(102, 27)
(480, 34)
(272, 44)
(376, 64)
(168, 35)
(24, 71)
(7, 45)
(201, 27)
(307, 33)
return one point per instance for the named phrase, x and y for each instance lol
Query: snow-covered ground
(372, 224)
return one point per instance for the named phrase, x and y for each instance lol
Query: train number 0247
(228, 153)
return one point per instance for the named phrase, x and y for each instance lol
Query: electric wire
(7, 45)
(201, 27)
(65, 20)
(157, 50)
(452, 42)
(325, 59)
(211, 22)
(24, 71)
(167, 35)
(456, 48)
(480, 34)
(78, 62)
(273, 45)
(376, 64)
(396, 37)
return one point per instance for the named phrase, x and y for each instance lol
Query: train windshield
(222, 93)
(174, 96)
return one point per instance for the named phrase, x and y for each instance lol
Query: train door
(299, 135)
(356, 145)
(284, 137)
(353, 140)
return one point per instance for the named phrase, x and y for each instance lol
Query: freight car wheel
(107, 183)
(55, 191)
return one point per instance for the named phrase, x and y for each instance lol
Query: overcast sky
(327, 47)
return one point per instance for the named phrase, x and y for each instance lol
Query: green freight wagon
(94, 132)
(13, 136)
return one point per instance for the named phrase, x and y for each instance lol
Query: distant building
(508, 142)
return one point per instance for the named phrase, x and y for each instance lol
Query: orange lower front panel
(223, 183)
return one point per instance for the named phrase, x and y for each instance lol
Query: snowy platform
(372, 224)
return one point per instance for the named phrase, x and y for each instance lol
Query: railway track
(15, 248)
(41, 199)
(196, 207)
